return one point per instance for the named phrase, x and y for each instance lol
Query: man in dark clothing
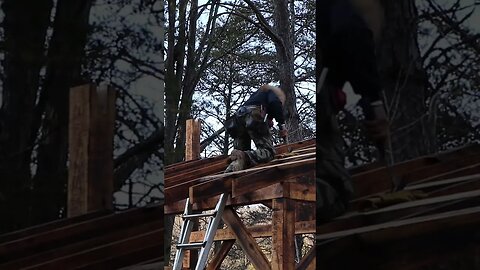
(347, 32)
(252, 121)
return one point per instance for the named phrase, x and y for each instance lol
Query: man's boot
(239, 161)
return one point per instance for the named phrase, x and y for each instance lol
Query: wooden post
(192, 152)
(283, 234)
(192, 139)
(91, 130)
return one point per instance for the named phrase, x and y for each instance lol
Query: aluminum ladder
(206, 245)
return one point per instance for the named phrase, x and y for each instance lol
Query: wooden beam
(222, 253)
(305, 168)
(192, 139)
(258, 196)
(301, 191)
(283, 234)
(245, 240)
(191, 170)
(181, 191)
(91, 127)
(263, 195)
(30, 244)
(257, 231)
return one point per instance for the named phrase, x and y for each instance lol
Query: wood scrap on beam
(245, 240)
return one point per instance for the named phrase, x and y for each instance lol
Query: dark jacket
(269, 100)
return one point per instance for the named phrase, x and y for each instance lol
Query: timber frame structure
(437, 231)
(286, 185)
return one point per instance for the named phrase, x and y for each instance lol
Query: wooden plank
(122, 250)
(76, 232)
(222, 253)
(192, 165)
(51, 225)
(257, 231)
(367, 184)
(308, 261)
(410, 227)
(188, 171)
(283, 234)
(190, 175)
(402, 211)
(245, 240)
(91, 116)
(51, 253)
(192, 139)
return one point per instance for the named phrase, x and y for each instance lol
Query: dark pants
(251, 127)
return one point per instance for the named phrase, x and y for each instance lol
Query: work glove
(376, 121)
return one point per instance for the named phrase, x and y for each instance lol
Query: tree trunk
(65, 56)
(25, 26)
(400, 66)
(174, 72)
(285, 64)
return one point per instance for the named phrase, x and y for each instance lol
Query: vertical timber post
(192, 142)
(91, 131)
(192, 152)
(283, 234)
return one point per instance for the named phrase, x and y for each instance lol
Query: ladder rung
(199, 215)
(191, 246)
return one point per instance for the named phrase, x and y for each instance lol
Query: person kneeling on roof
(252, 121)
